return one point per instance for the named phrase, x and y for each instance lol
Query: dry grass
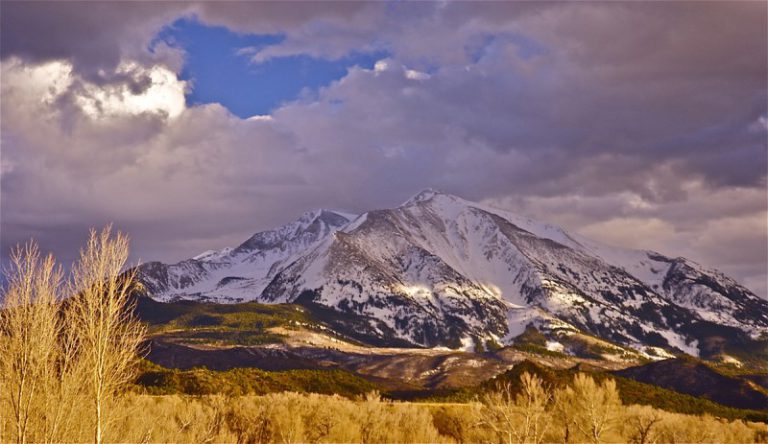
(309, 418)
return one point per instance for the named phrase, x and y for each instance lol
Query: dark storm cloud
(93, 35)
(614, 118)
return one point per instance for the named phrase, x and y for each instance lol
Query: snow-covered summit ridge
(241, 273)
(425, 195)
(443, 271)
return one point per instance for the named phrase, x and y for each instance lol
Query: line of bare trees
(67, 346)
(293, 418)
(584, 407)
(586, 411)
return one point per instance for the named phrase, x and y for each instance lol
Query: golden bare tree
(63, 387)
(641, 423)
(594, 408)
(107, 334)
(533, 401)
(29, 332)
(518, 419)
(563, 413)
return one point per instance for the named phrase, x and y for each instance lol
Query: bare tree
(318, 421)
(594, 407)
(641, 422)
(250, 423)
(107, 334)
(518, 419)
(534, 401)
(29, 331)
(63, 387)
(371, 415)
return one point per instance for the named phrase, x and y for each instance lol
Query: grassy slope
(156, 380)
(233, 324)
(220, 324)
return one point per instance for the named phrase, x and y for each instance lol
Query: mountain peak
(427, 194)
(332, 217)
(326, 215)
(311, 225)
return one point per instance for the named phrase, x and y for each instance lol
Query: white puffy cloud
(164, 93)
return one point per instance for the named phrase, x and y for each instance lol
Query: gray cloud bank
(639, 124)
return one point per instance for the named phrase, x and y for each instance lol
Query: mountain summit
(442, 271)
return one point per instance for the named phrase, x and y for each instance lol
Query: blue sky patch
(220, 73)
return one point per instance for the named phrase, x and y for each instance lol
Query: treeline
(586, 410)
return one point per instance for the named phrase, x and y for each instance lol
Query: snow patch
(555, 346)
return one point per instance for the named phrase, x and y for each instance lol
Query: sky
(191, 126)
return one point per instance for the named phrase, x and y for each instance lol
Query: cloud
(94, 36)
(633, 123)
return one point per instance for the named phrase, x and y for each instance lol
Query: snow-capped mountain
(241, 273)
(442, 271)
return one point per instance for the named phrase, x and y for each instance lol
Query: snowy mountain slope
(442, 271)
(241, 273)
(712, 295)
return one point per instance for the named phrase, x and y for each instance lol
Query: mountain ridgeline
(442, 271)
